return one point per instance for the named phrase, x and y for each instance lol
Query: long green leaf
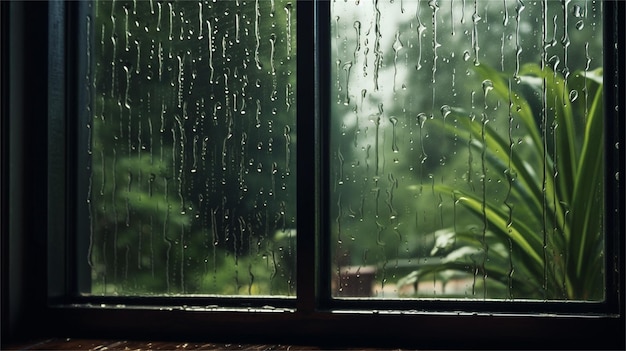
(498, 218)
(546, 192)
(525, 185)
(565, 196)
(586, 211)
(468, 258)
(559, 119)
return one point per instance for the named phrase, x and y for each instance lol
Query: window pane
(192, 144)
(467, 149)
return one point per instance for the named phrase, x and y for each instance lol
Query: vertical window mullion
(57, 156)
(614, 30)
(322, 85)
(307, 165)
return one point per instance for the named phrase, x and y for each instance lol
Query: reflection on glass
(466, 149)
(192, 144)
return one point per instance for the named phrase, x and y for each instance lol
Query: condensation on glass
(466, 149)
(192, 143)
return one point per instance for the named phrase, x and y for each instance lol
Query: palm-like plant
(555, 183)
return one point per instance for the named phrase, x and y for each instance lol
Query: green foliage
(192, 112)
(544, 240)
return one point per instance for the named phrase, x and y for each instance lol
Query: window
(191, 144)
(459, 135)
(56, 260)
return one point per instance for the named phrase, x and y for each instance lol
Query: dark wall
(24, 163)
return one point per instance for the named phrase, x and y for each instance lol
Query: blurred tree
(192, 149)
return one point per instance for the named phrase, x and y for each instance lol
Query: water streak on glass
(465, 168)
(180, 200)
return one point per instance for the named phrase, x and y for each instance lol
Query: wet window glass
(466, 149)
(191, 148)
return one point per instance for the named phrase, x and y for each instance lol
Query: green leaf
(564, 258)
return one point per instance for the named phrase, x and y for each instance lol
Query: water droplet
(554, 62)
(487, 86)
(445, 111)
(466, 56)
(394, 141)
(578, 11)
(573, 95)
(421, 119)
(397, 44)
(580, 25)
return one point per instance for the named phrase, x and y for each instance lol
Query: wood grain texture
(129, 345)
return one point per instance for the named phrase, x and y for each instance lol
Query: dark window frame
(40, 89)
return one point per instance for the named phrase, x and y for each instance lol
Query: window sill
(96, 344)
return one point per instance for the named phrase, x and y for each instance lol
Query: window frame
(39, 157)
